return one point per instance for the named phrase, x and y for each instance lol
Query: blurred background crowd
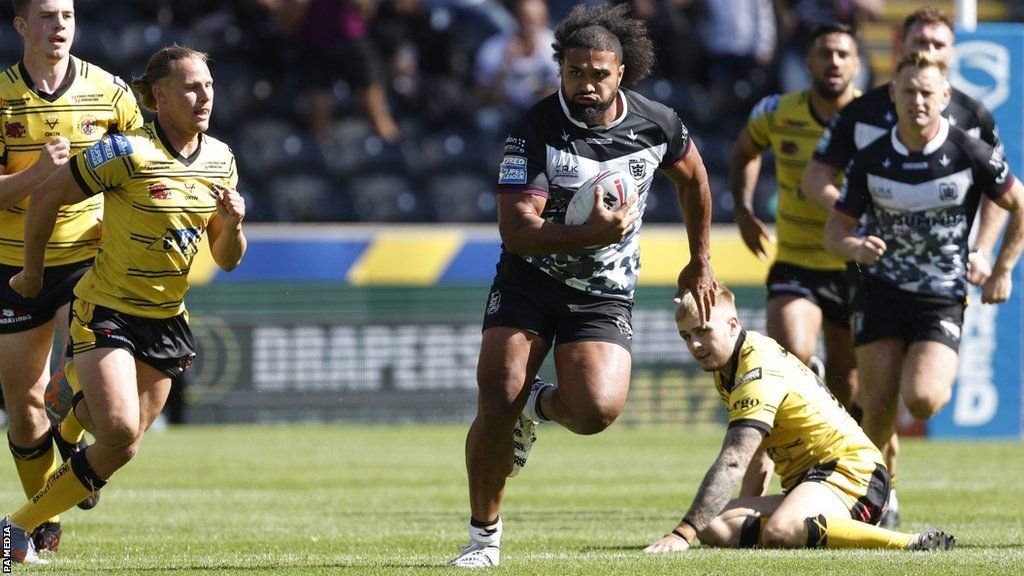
(395, 110)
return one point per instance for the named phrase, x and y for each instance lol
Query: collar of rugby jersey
(934, 144)
(729, 374)
(187, 161)
(69, 79)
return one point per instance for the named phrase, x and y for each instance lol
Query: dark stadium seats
(299, 196)
(388, 196)
(465, 196)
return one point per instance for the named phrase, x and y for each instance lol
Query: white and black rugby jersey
(871, 116)
(551, 154)
(922, 204)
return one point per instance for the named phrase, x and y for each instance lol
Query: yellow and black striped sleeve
(126, 107)
(105, 165)
(756, 398)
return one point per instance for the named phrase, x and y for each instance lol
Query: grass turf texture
(392, 500)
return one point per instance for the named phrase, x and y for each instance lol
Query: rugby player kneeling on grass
(835, 485)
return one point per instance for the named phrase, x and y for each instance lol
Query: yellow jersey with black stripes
(766, 387)
(787, 124)
(158, 205)
(88, 104)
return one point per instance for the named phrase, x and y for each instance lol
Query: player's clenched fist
(28, 285)
(870, 250)
(54, 154)
(230, 206)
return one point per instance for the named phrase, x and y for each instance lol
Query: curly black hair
(610, 29)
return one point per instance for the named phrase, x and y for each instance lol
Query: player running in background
(165, 184)
(919, 187)
(550, 290)
(871, 116)
(807, 287)
(52, 105)
(835, 484)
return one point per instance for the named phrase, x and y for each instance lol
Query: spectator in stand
(739, 36)
(423, 59)
(333, 35)
(514, 71)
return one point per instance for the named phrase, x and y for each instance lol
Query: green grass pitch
(392, 500)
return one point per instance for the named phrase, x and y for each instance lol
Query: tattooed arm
(741, 442)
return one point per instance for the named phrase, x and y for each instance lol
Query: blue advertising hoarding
(989, 65)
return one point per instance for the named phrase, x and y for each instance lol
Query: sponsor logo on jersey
(494, 303)
(638, 168)
(754, 374)
(184, 241)
(108, 148)
(515, 145)
(88, 125)
(915, 165)
(51, 121)
(159, 191)
(83, 98)
(512, 174)
(789, 147)
(599, 141)
(567, 170)
(14, 130)
(745, 403)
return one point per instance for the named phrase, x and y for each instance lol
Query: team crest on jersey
(51, 121)
(88, 125)
(184, 241)
(947, 191)
(789, 147)
(14, 130)
(638, 168)
(159, 191)
(113, 146)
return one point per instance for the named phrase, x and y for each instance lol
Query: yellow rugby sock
(838, 532)
(71, 429)
(69, 484)
(34, 465)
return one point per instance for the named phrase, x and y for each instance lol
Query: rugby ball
(618, 188)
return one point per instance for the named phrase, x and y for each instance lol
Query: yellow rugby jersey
(787, 124)
(766, 387)
(88, 104)
(158, 205)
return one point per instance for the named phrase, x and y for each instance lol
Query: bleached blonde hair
(687, 306)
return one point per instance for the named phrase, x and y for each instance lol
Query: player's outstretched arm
(744, 170)
(715, 492)
(694, 193)
(15, 187)
(817, 184)
(44, 201)
(999, 286)
(227, 242)
(990, 225)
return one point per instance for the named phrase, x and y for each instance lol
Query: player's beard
(590, 114)
(826, 90)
